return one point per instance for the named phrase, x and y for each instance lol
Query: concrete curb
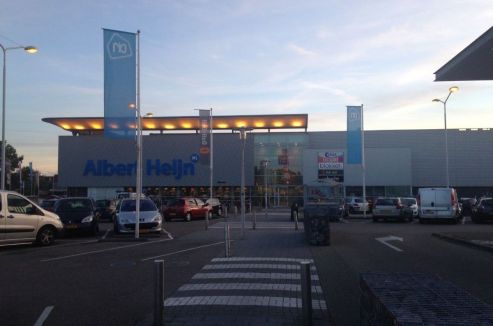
(462, 241)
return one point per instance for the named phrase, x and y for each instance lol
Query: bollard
(254, 225)
(306, 293)
(226, 211)
(226, 240)
(236, 211)
(207, 222)
(159, 293)
(295, 220)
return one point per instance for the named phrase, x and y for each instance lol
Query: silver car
(388, 208)
(22, 221)
(150, 220)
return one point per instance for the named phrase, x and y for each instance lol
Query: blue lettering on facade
(176, 168)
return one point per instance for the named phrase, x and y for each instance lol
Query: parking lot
(89, 281)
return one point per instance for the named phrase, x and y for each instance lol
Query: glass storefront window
(279, 167)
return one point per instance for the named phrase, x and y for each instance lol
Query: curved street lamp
(243, 131)
(29, 49)
(451, 90)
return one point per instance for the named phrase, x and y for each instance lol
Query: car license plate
(71, 226)
(172, 214)
(144, 231)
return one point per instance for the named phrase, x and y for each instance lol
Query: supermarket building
(282, 158)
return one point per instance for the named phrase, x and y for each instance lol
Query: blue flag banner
(119, 84)
(205, 136)
(354, 140)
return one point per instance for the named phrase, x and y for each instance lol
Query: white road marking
(273, 259)
(256, 266)
(105, 234)
(46, 312)
(247, 286)
(169, 234)
(242, 301)
(384, 240)
(102, 250)
(180, 251)
(247, 275)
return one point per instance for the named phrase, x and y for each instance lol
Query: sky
(244, 57)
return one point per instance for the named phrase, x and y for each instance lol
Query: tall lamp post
(451, 90)
(264, 164)
(243, 135)
(28, 49)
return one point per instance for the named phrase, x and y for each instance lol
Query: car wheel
(188, 217)
(375, 219)
(475, 219)
(46, 236)
(421, 221)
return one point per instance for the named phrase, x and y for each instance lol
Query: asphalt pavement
(84, 281)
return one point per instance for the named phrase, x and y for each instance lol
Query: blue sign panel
(119, 84)
(354, 140)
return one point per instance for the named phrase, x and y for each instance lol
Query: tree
(11, 155)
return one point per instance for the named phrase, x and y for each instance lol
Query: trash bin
(317, 222)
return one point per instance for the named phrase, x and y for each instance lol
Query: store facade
(283, 164)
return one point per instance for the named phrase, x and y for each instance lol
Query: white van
(22, 221)
(438, 203)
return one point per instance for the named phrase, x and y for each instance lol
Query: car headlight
(87, 219)
(157, 218)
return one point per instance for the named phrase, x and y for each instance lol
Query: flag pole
(139, 145)
(363, 164)
(211, 163)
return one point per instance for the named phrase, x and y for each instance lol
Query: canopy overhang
(475, 62)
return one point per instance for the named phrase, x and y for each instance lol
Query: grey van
(438, 203)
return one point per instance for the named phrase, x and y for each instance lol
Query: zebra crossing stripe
(255, 266)
(251, 275)
(247, 286)
(284, 302)
(270, 259)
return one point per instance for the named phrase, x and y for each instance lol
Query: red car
(187, 208)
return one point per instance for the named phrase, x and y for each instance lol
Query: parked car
(48, 204)
(106, 209)
(215, 205)
(78, 214)
(24, 222)
(389, 208)
(187, 208)
(410, 207)
(356, 205)
(483, 210)
(438, 203)
(150, 219)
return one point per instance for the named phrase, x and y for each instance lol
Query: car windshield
(101, 203)
(79, 205)
(47, 203)
(408, 201)
(387, 202)
(487, 202)
(176, 202)
(145, 205)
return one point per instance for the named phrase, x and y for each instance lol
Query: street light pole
(452, 89)
(265, 163)
(28, 49)
(243, 135)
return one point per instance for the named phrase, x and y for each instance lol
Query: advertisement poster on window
(331, 166)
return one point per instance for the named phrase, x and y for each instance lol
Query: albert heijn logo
(118, 47)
